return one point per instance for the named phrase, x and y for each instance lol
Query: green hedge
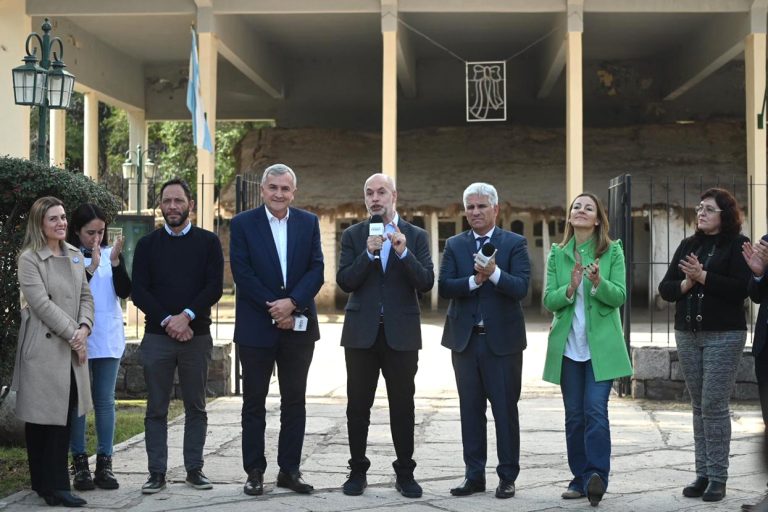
(21, 183)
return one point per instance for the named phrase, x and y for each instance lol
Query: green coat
(604, 335)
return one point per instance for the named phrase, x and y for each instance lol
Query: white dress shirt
(279, 229)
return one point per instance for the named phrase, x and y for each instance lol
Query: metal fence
(651, 216)
(247, 196)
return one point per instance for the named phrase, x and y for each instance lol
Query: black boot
(405, 483)
(356, 481)
(103, 476)
(81, 475)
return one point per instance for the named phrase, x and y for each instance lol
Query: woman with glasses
(707, 279)
(586, 285)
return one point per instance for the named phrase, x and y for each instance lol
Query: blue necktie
(481, 241)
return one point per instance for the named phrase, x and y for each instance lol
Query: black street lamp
(46, 86)
(133, 170)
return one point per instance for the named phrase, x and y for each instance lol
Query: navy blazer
(500, 304)
(758, 292)
(259, 278)
(395, 292)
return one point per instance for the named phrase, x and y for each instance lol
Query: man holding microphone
(485, 273)
(384, 265)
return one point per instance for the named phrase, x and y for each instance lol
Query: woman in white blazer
(50, 375)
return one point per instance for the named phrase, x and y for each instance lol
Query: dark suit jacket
(395, 292)
(758, 292)
(500, 304)
(257, 274)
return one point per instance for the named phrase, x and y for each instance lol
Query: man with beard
(178, 271)
(384, 275)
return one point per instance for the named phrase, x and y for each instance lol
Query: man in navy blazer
(485, 330)
(756, 256)
(384, 276)
(277, 265)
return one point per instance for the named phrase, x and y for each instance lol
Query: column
(574, 129)
(137, 135)
(15, 25)
(91, 136)
(206, 162)
(58, 137)
(389, 89)
(754, 60)
(434, 248)
(574, 118)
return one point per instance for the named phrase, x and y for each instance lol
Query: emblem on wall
(486, 91)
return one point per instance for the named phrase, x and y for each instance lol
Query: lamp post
(46, 86)
(133, 170)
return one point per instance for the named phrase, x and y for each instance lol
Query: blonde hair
(600, 235)
(34, 238)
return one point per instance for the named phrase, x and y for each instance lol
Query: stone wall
(130, 378)
(658, 375)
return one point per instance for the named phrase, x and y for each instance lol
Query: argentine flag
(200, 131)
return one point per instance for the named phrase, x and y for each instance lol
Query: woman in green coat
(585, 288)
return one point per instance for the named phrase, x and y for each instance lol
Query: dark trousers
(482, 375)
(399, 370)
(161, 356)
(293, 360)
(47, 450)
(761, 372)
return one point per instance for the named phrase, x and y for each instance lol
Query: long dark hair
(84, 214)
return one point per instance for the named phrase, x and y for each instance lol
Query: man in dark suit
(384, 276)
(277, 264)
(485, 330)
(756, 256)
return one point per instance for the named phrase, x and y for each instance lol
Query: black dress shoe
(408, 486)
(696, 488)
(715, 491)
(294, 482)
(254, 486)
(155, 483)
(64, 498)
(355, 484)
(468, 487)
(595, 489)
(506, 489)
(198, 480)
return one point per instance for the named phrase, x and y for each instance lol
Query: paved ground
(652, 459)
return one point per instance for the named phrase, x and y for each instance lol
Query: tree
(21, 183)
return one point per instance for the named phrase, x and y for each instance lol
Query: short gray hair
(481, 189)
(278, 170)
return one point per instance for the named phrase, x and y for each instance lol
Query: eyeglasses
(708, 209)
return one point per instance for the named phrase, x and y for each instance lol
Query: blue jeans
(103, 379)
(587, 431)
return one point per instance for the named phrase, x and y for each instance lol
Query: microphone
(376, 228)
(485, 254)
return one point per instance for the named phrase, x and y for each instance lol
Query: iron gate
(620, 220)
(247, 197)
